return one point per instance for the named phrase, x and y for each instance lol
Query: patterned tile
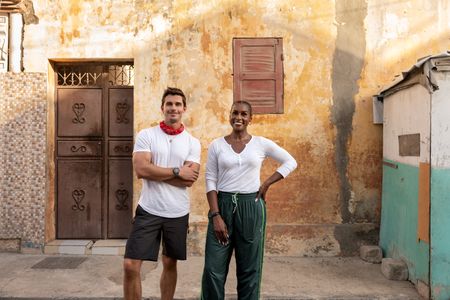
(23, 121)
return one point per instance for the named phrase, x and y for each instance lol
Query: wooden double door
(94, 142)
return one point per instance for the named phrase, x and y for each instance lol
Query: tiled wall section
(23, 117)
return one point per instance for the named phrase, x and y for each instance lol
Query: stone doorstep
(86, 247)
(109, 247)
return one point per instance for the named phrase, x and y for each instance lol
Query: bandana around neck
(169, 130)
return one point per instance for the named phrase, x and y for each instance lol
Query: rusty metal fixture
(121, 109)
(78, 196)
(76, 149)
(122, 75)
(79, 75)
(96, 74)
(122, 148)
(78, 109)
(122, 197)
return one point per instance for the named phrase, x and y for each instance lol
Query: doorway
(94, 142)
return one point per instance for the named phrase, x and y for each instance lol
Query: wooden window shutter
(258, 73)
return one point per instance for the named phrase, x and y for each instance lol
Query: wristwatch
(176, 172)
(213, 214)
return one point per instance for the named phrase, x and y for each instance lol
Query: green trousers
(246, 222)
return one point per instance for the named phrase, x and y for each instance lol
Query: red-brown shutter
(258, 73)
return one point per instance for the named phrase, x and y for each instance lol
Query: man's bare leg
(168, 280)
(132, 288)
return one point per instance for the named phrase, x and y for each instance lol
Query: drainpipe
(15, 46)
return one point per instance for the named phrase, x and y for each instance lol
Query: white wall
(407, 112)
(440, 114)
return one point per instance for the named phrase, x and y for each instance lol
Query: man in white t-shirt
(167, 158)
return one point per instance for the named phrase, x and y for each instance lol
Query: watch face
(176, 171)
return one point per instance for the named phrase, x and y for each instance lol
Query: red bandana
(169, 130)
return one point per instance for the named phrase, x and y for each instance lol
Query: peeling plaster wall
(337, 55)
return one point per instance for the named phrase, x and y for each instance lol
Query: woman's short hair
(245, 103)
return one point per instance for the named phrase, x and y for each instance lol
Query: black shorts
(145, 237)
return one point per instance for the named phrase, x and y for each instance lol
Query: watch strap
(214, 214)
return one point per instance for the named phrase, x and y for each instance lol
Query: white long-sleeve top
(229, 171)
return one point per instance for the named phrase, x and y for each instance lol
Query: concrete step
(86, 247)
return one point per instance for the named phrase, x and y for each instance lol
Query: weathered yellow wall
(337, 55)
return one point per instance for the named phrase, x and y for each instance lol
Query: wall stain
(206, 41)
(155, 69)
(348, 63)
(75, 8)
(350, 237)
(217, 111)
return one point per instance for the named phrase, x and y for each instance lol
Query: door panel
(79, 199)
(120, 196)
(79, 148)
(120, 148)
(120, 171)
(79, 112)
(120, 112)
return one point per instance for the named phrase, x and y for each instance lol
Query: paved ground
(100, 277)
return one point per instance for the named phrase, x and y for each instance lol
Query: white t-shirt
(229, 171)
(168, 151)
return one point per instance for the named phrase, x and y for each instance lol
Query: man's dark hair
(245, 103)
(175, 92)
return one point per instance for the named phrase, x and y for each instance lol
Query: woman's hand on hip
(220, 229)
(266, 184)
(262, 192)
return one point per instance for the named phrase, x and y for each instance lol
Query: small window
(258, 73)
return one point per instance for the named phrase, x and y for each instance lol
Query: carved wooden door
(94, 140)
(120, 169)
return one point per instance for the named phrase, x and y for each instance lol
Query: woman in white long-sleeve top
(236, 197)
